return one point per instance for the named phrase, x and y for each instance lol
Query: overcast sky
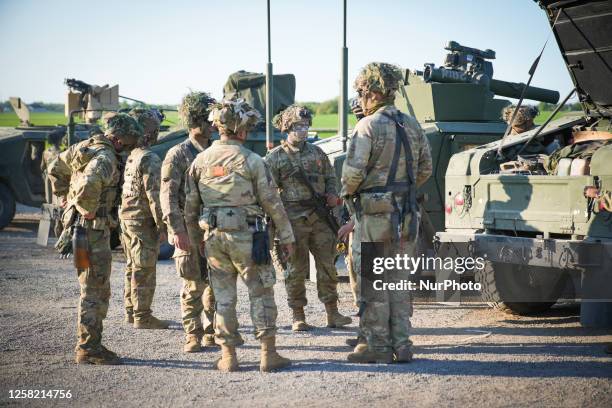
(157, 50)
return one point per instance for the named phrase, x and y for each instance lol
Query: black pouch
(261, 248)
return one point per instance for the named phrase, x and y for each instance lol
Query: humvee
(543, 239)
(458, 108)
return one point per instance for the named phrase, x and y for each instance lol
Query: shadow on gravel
(548, 369)
(193, 365)
(508, 331)
(539, 349)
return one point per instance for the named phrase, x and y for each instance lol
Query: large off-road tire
(7, 206)
(520, 289)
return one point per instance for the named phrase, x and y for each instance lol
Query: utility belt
(235, 219)
(392, 200)
(230, 219)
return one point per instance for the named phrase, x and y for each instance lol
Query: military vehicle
(457, 108)
(543, 239)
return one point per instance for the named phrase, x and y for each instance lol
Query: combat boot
(363, 355)
(334, 318)
(209, 341)
(355, 341)
(192, 343)
(151, 323)
(270, 359)
(129, 318)
(403, 354)
(102, 356)
(228, 361)
(299, 320)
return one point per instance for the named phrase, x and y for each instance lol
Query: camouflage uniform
(196, 294)
(141, 224)
(88, 175)
(312, 234)
(235, 190)
(385, 323)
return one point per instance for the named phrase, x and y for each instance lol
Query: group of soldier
(217, 201)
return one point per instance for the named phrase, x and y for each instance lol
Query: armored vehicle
(520, 202)
(457, 108)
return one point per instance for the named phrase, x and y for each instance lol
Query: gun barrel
(514, 90)
(501, 88)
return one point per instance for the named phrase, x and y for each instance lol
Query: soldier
(86, 176)
(141, 224)
(523, 121)
(196, 295)
(236, 191)
(387, 159)
(299, 168)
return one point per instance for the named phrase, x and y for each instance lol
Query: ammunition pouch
(225, 219)
(260, 252)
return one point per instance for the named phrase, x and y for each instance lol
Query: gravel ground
(463, 354)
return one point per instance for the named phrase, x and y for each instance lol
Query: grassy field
(327, 121)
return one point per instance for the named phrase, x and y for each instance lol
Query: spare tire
(7, 206)
(520, 289)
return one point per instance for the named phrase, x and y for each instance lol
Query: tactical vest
(398, 196)
(292, 188)
(84, 153)
(134, 201)
(227, 189)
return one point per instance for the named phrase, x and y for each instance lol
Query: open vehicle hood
(584, 35)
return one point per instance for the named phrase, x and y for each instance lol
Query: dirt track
(465, 355)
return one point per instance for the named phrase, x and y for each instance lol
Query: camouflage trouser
(354, 251)
(196, 294)
(95, 290)
(141, 246)
(385, 321)
(229, 255)
(312, 235)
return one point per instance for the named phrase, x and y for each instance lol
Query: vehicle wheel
(165, 251)
(520, 289)
(7, 206)
(115, 238)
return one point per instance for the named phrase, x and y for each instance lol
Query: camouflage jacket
(172, 191)
(293, 191)
(140, 192)
(371, 148)
(228, 175)
(88, 175)
(48, 156)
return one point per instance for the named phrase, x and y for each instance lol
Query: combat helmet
(195, 109)
(150, 120)
(232, 116)
(379, 77)
(124, 127)
(291, 115)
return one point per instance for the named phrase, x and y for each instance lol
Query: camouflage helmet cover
(291, 115)
(234, 115)
(147, 118)
(524, 114)
(195, 108)
(379, 77)
(123, 126)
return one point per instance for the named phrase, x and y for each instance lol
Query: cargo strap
(192, 149)
(406, 188)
